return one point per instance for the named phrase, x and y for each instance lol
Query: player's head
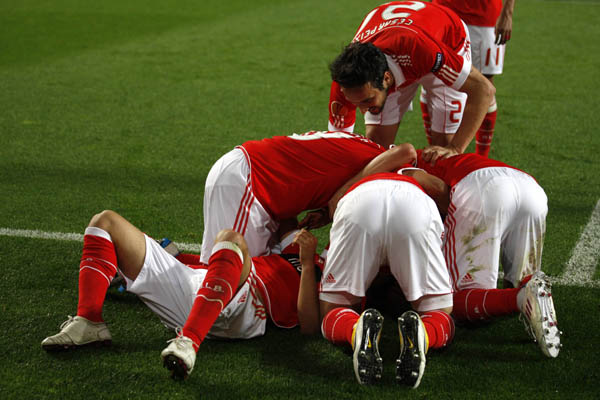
(362, 72)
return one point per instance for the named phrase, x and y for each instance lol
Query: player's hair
(359, 64)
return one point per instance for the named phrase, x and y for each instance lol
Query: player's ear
(388, 79)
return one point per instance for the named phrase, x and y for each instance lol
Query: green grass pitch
(125, 105)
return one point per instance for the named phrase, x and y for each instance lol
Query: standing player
(260, 183)
(399, 46)
(229, 298)
(497, 212)
(387, 219)
(490, 27)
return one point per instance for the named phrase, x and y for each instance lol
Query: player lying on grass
(230, 297)
(388, 219)
(262, 182)
(497, 212)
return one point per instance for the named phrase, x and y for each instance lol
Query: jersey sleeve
(342, 113)
(435, 57)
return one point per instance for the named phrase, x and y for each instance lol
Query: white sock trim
(94, 231)
(228, 246)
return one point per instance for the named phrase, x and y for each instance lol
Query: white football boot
(179, 356)
(76, 332)
(410, 365)
(368, 364)
(538, 315)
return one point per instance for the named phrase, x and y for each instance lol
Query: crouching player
(230, 297)
(497, 213)
(388, 219)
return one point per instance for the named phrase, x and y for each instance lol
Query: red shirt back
(291, 174)
(451, 170)
(420, 37)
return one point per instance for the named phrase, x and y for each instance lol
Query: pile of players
(435, 222)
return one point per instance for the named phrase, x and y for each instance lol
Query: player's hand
(503, 29)
(432, 153)
(308, 246)
(315, 219)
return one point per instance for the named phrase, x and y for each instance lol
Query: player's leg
(483, 204)
(228, 268)
(485, 133)
(353, 260)
(445, 107)
(342, 325)
(382, 128)
(426, 114)
(417, 264)
(522, 256)
(488, 58)
(109, 240)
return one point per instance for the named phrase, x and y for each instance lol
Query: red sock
(439, 327)
(338, 325)
(189, 259)
(426, 121)
(219, 286)
(483, 137)
(97, 268)
(482, 304)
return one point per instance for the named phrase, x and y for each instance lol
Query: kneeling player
(497, 212)
(228, 298)
(387, 219)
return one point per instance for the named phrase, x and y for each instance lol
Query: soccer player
(388, 219)
(228, 298)
(490, 26)
(262, 182)
(399, 46)
(497, 212)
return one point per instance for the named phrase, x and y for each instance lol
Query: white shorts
(386, 222)
(488, 57)
(495, 214)
(169, 287)
(229, 203)
(445, 104)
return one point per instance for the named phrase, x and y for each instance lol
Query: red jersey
(475, 12)
(418, 38)
(386, 176)
(278, 281)
(279, 284)
(291, 174)
(451, 170)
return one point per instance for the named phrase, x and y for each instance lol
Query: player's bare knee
(229, 235)
(103, 220)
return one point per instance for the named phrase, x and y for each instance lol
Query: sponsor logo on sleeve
(439, 61)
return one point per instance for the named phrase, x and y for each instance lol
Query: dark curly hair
(358, 64)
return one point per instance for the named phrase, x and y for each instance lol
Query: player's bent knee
(103, 219)
(229, 235)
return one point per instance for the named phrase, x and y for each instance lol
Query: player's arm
(342, 113)
(308, 295)
(433, 186)
(503, 29)
(388, 161)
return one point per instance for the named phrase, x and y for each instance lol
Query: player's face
(367, 97)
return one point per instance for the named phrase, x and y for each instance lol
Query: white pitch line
(581, 266)
(75, 237)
